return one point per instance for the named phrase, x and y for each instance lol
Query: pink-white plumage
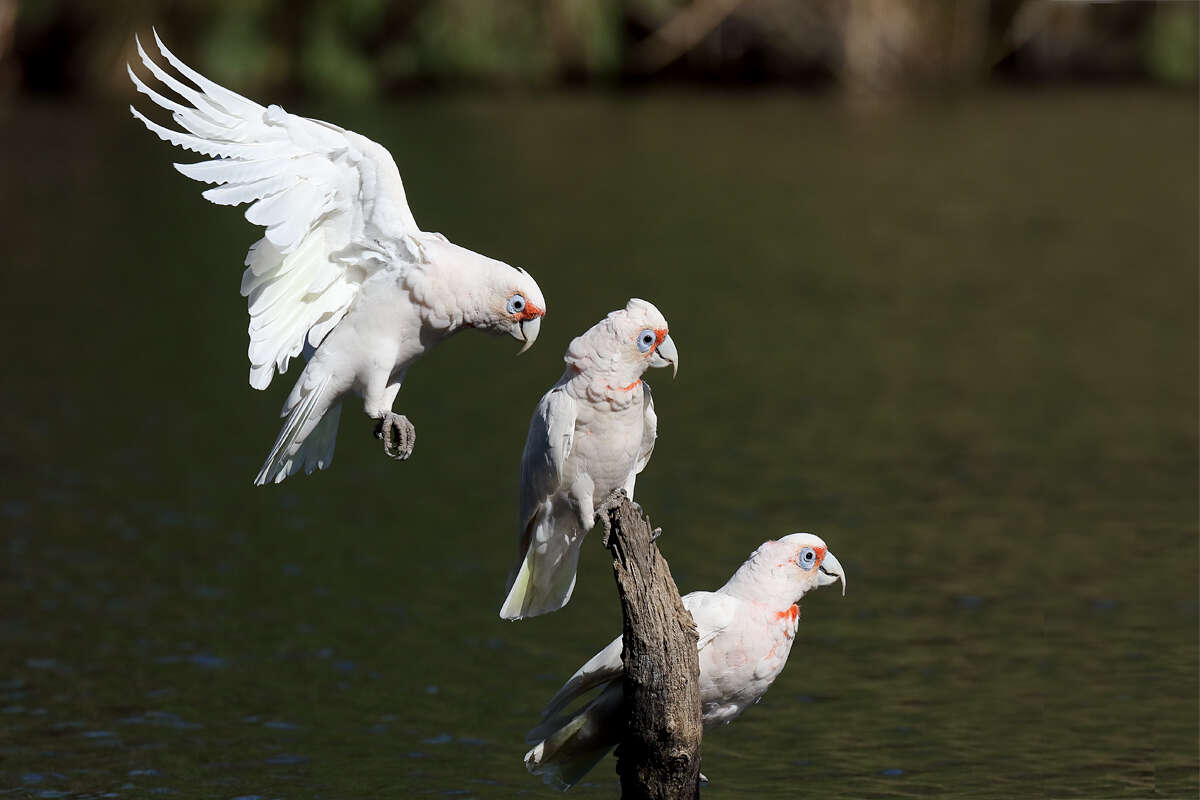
(746, 630)
(343, 273)
(593, 432)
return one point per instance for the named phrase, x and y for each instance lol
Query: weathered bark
(659, 754)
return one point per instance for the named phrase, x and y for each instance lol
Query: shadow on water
(959, 344)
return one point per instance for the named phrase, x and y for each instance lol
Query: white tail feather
(546, 577)
(307, 438)
(569, 752)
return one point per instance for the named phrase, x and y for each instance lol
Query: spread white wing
(331, 201)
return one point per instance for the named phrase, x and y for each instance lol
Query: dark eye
(645, 340)
(516, 304)
(807, 558)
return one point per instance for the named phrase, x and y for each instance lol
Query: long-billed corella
(591, 433)
(746, 630)
(343, 274)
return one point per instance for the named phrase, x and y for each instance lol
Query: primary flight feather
(343, 275)
(746, 630)
(593, 432)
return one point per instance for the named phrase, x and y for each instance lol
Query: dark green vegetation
(363, 48)
(958, 343)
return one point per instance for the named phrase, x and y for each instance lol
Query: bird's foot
(398, 435)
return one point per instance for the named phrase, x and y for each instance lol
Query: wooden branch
(659, 754)
(681, 33)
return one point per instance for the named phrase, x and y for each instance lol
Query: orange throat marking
(624, 388)
(789, 614)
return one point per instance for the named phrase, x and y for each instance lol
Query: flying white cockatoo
(746, 630)
(343, 274)
(593, 432)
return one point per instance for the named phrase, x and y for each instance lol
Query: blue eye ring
(806, 558)
(646, 340)
(516, 304)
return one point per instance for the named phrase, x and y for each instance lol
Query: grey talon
(398, 435)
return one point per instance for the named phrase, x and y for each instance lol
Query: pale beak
(830, 571)
(665, 354)
(527, 332)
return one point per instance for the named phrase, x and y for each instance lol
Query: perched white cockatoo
(343, 274)
(746, 630)
(593, 432)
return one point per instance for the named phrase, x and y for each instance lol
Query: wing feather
(713, 612)
(218, 94)
(551, 436)
(332, 203)
(600, 668)
(234, 194)
(649, 430)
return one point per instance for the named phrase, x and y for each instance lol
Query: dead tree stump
(659, 754)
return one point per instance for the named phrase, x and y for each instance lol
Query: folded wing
(332, 203)
(547, 446)
(712, 612)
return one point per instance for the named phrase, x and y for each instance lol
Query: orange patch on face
(820, 553)
(659, 335)
(531, 312)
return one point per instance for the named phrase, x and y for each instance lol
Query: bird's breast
(606, 447)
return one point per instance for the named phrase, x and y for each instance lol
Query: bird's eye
(516, 304)
(807, 558)
(645, 340)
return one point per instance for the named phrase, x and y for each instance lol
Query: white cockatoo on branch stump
(592, 433)
(343, 274)
(746, 630)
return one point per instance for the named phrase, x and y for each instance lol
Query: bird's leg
(398, 435)
(580, 496)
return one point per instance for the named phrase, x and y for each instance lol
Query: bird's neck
(451, 298)
(620, 389)
(763, 585)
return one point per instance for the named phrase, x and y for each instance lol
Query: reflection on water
(958, 344)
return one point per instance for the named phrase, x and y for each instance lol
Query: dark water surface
(959, 343)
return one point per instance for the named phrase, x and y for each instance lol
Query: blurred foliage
(361, 48)
(1171, 44)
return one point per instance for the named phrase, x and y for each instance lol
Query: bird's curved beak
(830, 571)
(665, 354)
(527, 332)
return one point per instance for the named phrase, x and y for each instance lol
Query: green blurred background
(932, 271)
(367, 48)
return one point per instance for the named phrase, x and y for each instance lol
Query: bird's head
(505, 300)
(625, 344)
(781, 571)
(518, 307)
(471, 290)
(808, 562)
